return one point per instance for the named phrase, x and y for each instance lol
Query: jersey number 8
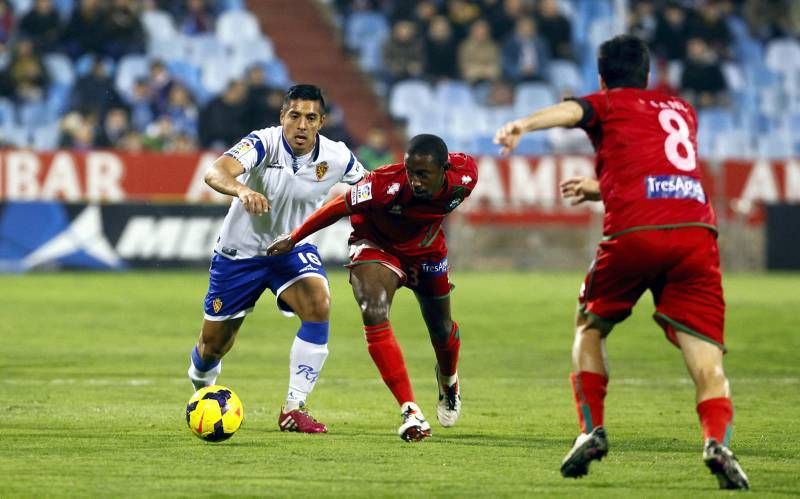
(678, 135)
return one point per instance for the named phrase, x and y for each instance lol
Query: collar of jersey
(288, 148)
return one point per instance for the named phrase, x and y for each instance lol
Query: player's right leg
(374, 285)
(216, 339)
(589, 380)
(704, 362)
(233, 288)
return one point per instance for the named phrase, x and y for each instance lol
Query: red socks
(590, 392)
(716, 416)
(388, 357)
(447, 352)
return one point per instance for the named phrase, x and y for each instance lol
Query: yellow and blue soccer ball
(214, 413)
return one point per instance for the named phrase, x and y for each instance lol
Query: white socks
(305, 363)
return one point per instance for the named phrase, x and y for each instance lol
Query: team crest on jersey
(361, 193)
(322, 169)
(217, 304)
(393, 189)
(466, 179)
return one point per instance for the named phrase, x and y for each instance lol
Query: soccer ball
(214, 413)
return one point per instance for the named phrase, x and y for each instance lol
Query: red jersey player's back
(646, 159)
(385, 211)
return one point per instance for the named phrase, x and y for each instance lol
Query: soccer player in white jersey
(277, 177)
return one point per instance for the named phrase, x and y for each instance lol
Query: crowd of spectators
(513, 41)
(160, 112)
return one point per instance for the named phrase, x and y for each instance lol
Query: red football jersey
(384, 210)
(646, 144)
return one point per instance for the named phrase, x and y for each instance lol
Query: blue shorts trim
(234, 286)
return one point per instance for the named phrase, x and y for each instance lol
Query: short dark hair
(305, 92)
(426, 144)
(624, 61)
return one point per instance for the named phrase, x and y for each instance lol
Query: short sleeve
(354, 171)
(250, 151)
(359, 198)
(594, 107)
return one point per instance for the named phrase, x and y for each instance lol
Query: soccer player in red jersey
(397, 213)
(659, 234)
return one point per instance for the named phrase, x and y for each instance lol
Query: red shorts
(679, 266)
(427, 275)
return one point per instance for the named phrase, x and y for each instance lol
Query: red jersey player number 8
(678, 136)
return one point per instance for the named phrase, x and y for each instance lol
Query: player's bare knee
(440, 330)
(374, 311)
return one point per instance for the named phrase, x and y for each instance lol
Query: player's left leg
(310, 300)
(446, 341)
(712, 393)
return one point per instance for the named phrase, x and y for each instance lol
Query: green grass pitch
(93, 389)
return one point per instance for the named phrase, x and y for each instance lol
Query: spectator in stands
(131, 142)
(95, 91)
(404, 53)
(768, 20)
(197, 18)
(115, 125)
(502, 15)
(441, 49)
(500, 93)
(374, 152)
(77, 132)
(160, 82)
(183, 143)
(462, 15)
(42, 25)
(642, 21)
(141, 104)
(159, 135)
(86, 31)
(669, 41)
(555, 28)
(222, 120)
(6, 21)
(702, 81)
(335, 126)
(478, 54)
(709, 24)
(263, 101)
(524, 54)
(124, 30)
(182, 110)
(28, 78)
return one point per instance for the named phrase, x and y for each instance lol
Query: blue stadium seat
(716, 119)
(215, 73)
(531, 96)
(370, 57)
(782, 55)
(7, 113)
(59, 68)
(408, 96)
(45, 137)
(733, 144)
(233, 25)
(17, 136)
(21, 7)
(363, 26)
(176, 48)
(277, 74)
(188, 74)
(57, 99)
(33, 114)
(245, 53)
(158, 25)
(64, 8)
(130, 68)
(565, 76)
(775, 146)
(223, 5)
(201, 48)
(533, 144)
(454, 93)
(84, 64)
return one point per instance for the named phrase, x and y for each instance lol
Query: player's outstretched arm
(222, 178)
(580, 189)
(568, 113)
(328, 213)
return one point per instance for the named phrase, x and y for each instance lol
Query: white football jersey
(295, 186)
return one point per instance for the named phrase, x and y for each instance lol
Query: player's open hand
(580, 189)
(508, 136)
(253, 202)
(282, 244)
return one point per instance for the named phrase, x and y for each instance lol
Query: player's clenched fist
(280, 245)
(580, 189)
(508, 136)
(253, 202)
